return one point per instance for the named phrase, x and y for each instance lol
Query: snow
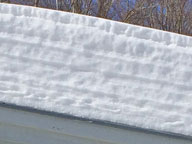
(95, 68)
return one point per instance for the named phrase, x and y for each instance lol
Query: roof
(95, 68)
(20, 125)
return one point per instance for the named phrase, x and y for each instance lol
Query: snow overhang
(95, 69)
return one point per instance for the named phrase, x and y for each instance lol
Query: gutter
(34, 126)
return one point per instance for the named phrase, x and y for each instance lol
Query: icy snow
(95, 68)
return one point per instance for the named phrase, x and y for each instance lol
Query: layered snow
(95, 68)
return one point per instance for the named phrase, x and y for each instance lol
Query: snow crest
(95, 68)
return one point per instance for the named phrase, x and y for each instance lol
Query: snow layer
(95, 68)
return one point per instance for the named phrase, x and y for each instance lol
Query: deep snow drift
(95, 68)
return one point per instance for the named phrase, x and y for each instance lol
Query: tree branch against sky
(169, 15)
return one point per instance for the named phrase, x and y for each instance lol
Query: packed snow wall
(95, 68)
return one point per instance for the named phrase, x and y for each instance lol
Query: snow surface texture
(95, 68)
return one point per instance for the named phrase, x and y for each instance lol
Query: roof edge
(96, 121)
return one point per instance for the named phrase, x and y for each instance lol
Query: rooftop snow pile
(95, 68)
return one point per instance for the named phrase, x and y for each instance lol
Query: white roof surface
(95, 68)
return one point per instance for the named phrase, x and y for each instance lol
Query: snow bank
(95, 68)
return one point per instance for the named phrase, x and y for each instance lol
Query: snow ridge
(95, 68)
